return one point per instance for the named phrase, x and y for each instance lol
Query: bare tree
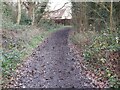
(32, 8)
(79, 16)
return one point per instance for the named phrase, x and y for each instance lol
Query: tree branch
(26, 5)
(57, 9)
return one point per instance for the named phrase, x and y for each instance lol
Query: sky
(56, 4)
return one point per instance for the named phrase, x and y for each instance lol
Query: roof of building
(58, 14)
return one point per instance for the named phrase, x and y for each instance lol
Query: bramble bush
(104, 54)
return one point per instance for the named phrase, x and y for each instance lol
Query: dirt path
(52, 65)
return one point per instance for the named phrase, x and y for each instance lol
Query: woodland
(95, 34)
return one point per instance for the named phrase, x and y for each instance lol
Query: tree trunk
(31, 10)
(79, 17)
(33, 15)
(111, 16)
(19, 12)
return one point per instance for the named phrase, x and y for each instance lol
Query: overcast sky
(56, 4)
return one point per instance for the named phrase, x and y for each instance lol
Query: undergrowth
(18, 42)
(102, 54)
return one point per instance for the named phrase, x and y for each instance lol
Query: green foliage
(98, 53)
(101, 51)
(9, 16)
(6, 24)
(102, 43)
(35, 41)
(48, 24)
(6, 11)
(15, 50)
(25, 20)
(106, 41)
(39, 12)
(10, 61)
(82, 39)
(18, 43)
(113, 80)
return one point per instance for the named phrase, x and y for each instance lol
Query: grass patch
(18, 43)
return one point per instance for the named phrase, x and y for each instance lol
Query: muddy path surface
(51, 65)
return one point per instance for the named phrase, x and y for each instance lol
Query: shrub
(103, 53)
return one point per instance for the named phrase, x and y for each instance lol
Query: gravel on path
(51, 65)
